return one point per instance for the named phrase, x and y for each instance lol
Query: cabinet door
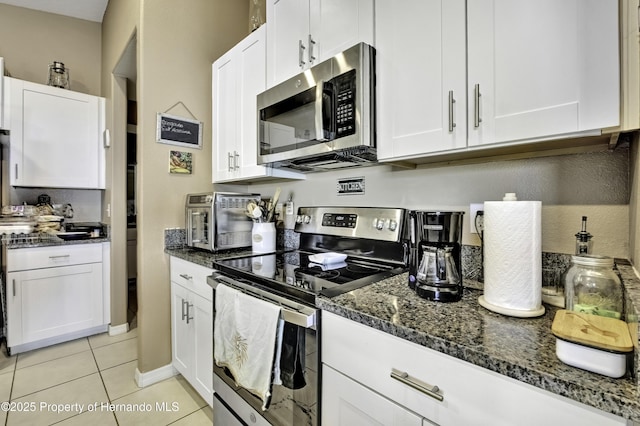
(287, 38)
(347, 403)
(336, 25)
(252, 74)
(420, 60)
(181, 337)
(56, 137)
(225, 116)
(541, 68)
(50, 302)
(201, 310)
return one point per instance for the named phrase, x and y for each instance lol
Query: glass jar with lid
(593, 287)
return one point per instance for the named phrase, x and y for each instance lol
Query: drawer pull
(419, 385)
(186, 277)
(60, 257)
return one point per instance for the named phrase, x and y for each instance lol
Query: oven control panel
(339, 220)
(357, 222)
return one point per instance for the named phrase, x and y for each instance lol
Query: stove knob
(307, 218)
(299, 219)
(379, 224)
(393, 225)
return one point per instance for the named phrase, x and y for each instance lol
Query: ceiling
(90, 10)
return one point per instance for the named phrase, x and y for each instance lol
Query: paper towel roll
(513, 257)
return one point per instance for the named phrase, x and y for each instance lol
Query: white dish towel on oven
(245, 339)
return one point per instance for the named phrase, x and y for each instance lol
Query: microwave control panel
(345, 85)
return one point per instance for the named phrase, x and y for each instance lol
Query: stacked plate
(49, 223)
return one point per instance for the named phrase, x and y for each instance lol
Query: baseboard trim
(118, 329)
(57, 339)
(154, 376)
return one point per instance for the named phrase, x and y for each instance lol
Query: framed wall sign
(180, 162)
(174, 130)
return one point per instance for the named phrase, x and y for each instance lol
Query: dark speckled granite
(202, 257)
(55, 242)
(520, 348)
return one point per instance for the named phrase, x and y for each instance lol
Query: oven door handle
(292, 312)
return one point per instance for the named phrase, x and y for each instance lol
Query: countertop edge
(626, 406)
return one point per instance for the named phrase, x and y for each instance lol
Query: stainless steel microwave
(217, 220)
(323, 118)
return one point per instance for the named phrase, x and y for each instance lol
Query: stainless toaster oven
(217, 220)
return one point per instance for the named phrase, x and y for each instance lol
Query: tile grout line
(13, 378)
(106, 392)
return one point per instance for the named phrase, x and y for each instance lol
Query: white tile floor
(94, 376)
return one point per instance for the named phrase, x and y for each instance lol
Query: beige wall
(119, 26)
(176, 47)
(31, 40)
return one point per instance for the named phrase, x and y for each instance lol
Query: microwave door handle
(319, 109)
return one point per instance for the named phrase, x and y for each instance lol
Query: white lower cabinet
(55, 294)
(355, 404)
(357, 385)
(192, 325)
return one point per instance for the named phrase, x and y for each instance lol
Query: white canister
(263, 237)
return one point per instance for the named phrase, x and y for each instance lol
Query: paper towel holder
(511, 207)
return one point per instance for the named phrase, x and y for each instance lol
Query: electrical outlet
(473, 210)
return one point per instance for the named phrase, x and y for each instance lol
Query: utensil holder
(263, 237)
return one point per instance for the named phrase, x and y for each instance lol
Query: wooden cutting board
(592, 330)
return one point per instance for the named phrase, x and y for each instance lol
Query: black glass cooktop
(292, 273)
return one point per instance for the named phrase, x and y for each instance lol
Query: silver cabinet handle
(452, 101)
(189, 306)
(476, 115)
(16, 171)
(14, 288)
(184, 315)
(301, 48)
(60, 257)
(236, 160)
(419, 385)
(230, 161)
(312, 42)
(186, 277)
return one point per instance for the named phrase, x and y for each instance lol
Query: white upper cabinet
(541, 68)
(302, 33)
(56, 137)
(238, 77)
(493, 73)
(421, 75)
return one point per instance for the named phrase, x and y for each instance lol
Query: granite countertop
(54, 241)
(204, 258)
(520, 348)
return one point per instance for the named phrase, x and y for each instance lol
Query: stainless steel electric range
(341, 249)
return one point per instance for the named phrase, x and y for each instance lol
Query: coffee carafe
(435, 267)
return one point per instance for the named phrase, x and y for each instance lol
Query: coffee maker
(435, 267)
